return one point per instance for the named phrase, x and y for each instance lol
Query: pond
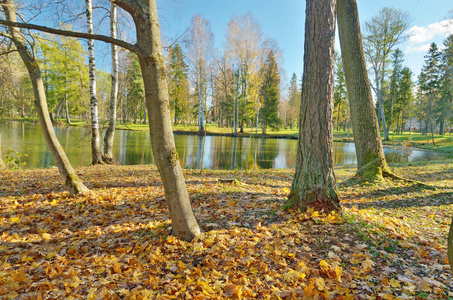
(220, 152)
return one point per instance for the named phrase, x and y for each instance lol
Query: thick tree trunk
(95, 151)
(110, 132)
(67, 173)
(371, 161)
(314, 181)
(166, 158)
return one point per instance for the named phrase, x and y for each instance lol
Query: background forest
(241, 85)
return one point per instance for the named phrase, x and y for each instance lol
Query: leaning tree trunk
(166, 158)
(67, 173)
(314, 181)
(95, 152)
(110, 132)
(371, 162)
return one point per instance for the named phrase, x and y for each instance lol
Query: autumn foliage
(390, 243)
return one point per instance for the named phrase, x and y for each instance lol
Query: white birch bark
(110, 133)
(95, 152)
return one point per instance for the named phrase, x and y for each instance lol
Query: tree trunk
(68, 120)
(67, 173)
(110, 132)
(2, 163)
(371, 163)
(314, 181)
(158, 106)
(95, 151)
(450, 245)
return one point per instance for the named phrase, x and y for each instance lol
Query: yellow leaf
(310, 210)
(315, 214)
(51, 255)
(218, 286)
(323, 264)
(3, 248)
(320, 283)
(19, 276)
(92, 294)
(46, 236)
(395, 283)
(54, 202)
(14, 219)
(26, 258)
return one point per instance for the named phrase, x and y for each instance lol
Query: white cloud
(420, 48)
(418, 35)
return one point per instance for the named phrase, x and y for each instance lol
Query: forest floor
(116, 243)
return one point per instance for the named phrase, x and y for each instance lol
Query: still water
(220, 152)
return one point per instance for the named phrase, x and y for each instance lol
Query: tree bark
(166, 158)
(2, 163)
(68, 120)
(450, 246)
(371, 162)
(67, 173)
(314, 181)
(95, 151)
(110, 132)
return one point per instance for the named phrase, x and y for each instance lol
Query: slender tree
(200, 47)
(149, 51)
(166, 158)
(67, 173)
(340, 94)
(395, 81)
(429, 95)
(446, 99)
(404, 106)
(2, 163)
(179, 92)
(270, 93)
(382, 34)
(371, 162)
(294, 100)
(314, 181)
(110, 132)
(243, 39)
(95, 139)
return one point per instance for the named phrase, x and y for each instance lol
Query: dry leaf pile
(390, 243)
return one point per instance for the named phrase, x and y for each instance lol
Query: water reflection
(210, 152)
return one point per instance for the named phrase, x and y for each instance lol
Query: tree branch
(8, 52)
(83, 35)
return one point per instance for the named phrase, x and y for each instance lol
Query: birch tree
(95, 139)
(110, 132)
(243, 41)
(200, 47)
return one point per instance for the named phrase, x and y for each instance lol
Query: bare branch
(8, 52)
(75, 34)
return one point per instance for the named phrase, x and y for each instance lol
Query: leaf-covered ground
(390, 242)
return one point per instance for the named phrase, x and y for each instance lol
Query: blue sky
(284, 21)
